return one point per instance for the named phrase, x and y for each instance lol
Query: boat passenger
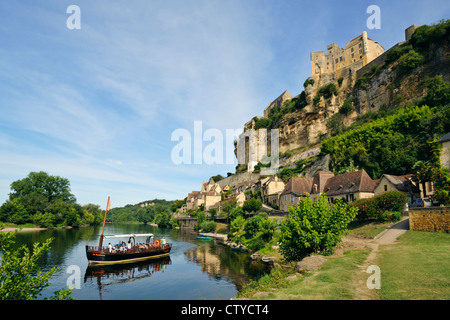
(163, 241)
(129, 244)
(110, 247)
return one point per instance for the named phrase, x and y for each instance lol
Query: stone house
(445, 154)
(293, 191)
(349, 186)
(208, 196)
(403, 183)
(271, 186)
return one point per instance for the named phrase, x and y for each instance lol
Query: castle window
(360, 45)
(352, 50)
(340, 58)
(337, 60)
(353, 55)
(360, 51)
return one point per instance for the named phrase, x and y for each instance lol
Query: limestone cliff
(383, 83)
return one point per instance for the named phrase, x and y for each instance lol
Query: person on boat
(163, 241)
(129, 245)
(110, 247)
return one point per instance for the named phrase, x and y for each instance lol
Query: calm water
(195, 269)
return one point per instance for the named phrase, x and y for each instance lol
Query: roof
(356, 181)
(445, 138)
(401, 183)
(298, 186)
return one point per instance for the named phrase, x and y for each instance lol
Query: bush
(208, 226)
(410, 61)
(392, 216)
(327, 91)
(309, 81)
(395, 53)
(347, 107)
(314, 227)
(381, 207)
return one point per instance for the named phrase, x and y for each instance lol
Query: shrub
(410, 61)
(309, 81)
(381, 207)
(391, 201)
(390, 216)
(314, 227)
(347, 107)
(327, 91)
(395, 53)
(208, 226)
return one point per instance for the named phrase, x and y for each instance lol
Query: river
(195, 270)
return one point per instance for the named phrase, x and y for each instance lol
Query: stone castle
(341, 66)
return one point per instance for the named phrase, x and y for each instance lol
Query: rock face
(384, 86)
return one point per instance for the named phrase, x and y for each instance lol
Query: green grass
(332, 282)
(416, 268)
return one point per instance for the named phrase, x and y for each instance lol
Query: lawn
(416, 268)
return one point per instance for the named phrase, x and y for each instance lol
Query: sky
(98, 104)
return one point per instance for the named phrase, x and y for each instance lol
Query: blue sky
(98, 105)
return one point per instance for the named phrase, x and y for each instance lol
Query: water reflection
(219, 262)
(109, 275)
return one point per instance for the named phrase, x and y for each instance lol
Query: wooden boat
(126, 253)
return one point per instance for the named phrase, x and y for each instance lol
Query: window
(352, 50)
(340, 58)
(385, 187)
(353, 55)
(285, 198)
(337, 60)
(352, 197)
(292, 198)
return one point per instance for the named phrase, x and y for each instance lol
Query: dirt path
(387, 237)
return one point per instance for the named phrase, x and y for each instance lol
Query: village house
(209, 196)
(349, 186)
(403, 183)
(293, 191)
(271, 188)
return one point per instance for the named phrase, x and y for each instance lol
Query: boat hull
(103, 257)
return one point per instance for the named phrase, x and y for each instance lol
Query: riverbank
(343, 275)
(13, 229)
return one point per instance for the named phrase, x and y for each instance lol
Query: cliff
(330, 102)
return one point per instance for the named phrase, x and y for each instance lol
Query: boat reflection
(108, 275)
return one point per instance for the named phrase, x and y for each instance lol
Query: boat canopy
(130, 235)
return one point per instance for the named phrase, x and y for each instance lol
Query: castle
(339, 63)
(342, 66)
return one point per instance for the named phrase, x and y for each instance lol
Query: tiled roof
(298, 186)
(356, 181)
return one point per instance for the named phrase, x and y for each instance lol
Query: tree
(252, 205)
(20, 278)
(41, 183)
(313, 228)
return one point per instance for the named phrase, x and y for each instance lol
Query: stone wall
(435, 219)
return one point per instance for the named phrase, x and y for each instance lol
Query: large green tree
(42, 184)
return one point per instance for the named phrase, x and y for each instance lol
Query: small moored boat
(267, 260)
(203, 238)
(127, 252)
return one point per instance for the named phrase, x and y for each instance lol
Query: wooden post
(100, 244)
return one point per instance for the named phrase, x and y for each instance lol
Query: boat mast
(108, 204)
